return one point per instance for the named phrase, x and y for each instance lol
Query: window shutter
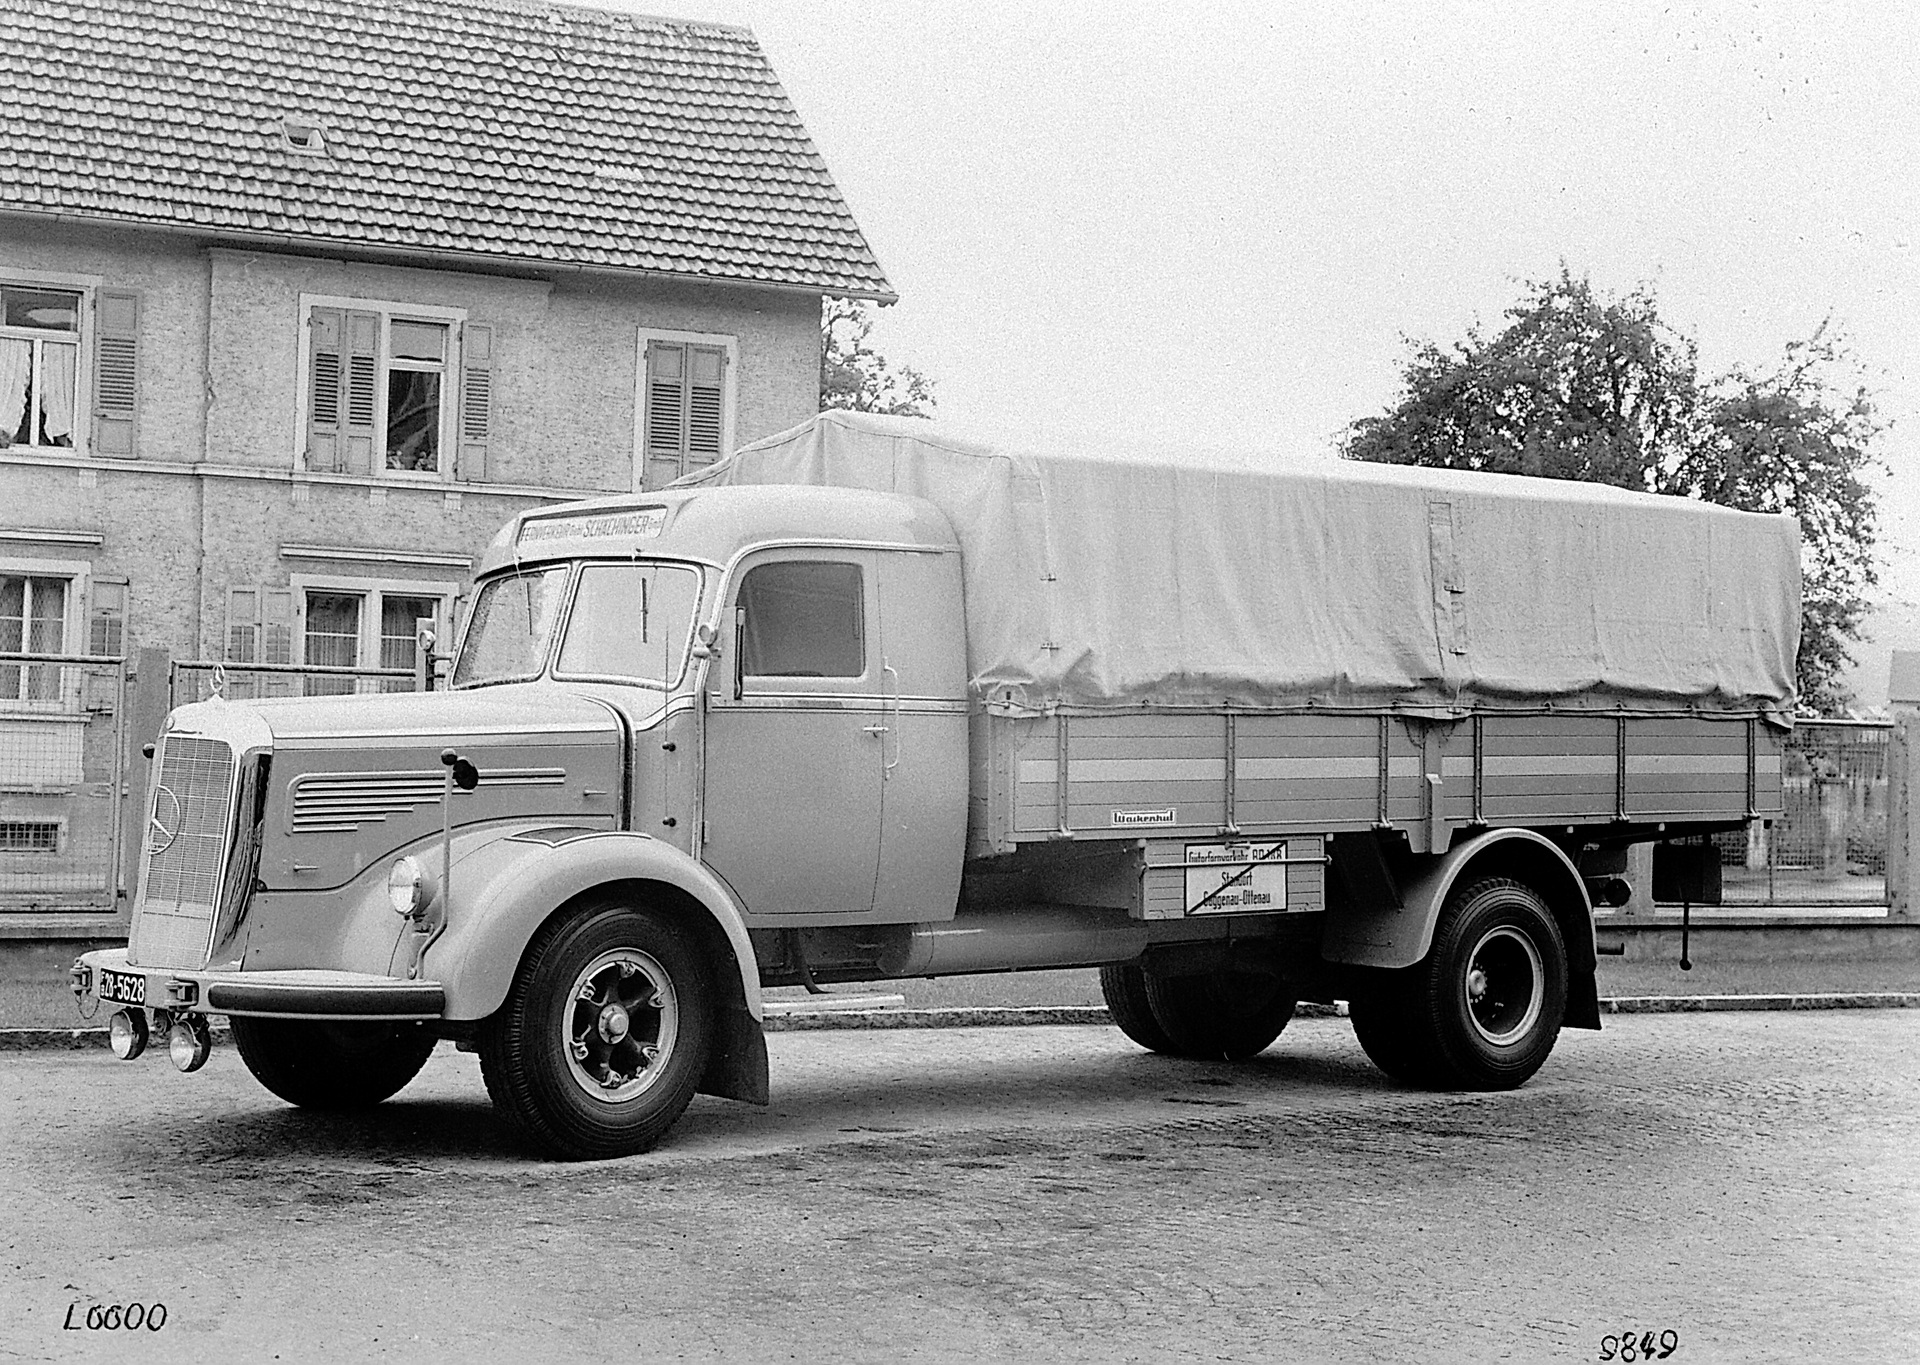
(107, 618)
(276, 626)
(361, 390)
(324, 354)
(243, 626)
(116, 372)
(666, 412)
(476, 402)
(705, 390)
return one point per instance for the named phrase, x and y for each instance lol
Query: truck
(871, 701)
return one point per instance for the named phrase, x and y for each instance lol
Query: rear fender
(505, 891)
(1381, 935)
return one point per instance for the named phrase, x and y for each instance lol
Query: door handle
(873, 729)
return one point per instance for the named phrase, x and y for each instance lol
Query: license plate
(122, 988)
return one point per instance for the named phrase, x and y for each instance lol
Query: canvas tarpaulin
(1094, 584)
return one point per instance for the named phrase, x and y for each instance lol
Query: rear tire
(1493, 990)
(323, 1064)
(604, 1035)
(1124, 985)
(1385, 1029)
(1219, 1014)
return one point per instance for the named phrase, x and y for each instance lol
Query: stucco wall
(566, 363)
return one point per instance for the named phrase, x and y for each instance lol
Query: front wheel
(1487, 1002)
(604, 1035)
(323, 1064)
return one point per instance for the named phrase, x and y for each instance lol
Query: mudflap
(737, 1070)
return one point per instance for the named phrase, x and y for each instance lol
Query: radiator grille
(192, 801)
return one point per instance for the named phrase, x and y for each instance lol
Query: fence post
(1903, 813)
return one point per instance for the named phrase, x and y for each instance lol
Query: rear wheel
(1491, 994)
(322, 1064)
(604, 1035)
(1385, 1029)
(1219, 1014)
(1125, 987)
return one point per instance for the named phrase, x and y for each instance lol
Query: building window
(394, 389)
(33, 620)
(39, 366)
(29, 836)
(357, 624)
(685, 404)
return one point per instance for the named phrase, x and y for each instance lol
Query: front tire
(604, 1035)
(1488, 999)
(322, 1064)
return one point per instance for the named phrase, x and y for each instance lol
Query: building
(301, 299)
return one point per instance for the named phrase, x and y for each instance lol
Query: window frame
(451, 370)
(742, 686)
(77, 574)
(88, 288)
(729, 390)
(373, 593)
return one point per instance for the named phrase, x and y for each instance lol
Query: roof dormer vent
(301, 135)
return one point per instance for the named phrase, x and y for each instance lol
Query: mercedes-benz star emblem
(163, 826)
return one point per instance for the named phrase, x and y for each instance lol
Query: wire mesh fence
(62, 761)
(1829, 847)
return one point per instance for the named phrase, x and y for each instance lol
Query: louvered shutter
(107, 617)
(116, 373)
(360, 390)
(325, 361)
(706, 391)
(476, 402)
(243, 626)
(666, 427)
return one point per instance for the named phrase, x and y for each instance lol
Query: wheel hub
(1505, 985)
(620, 1023)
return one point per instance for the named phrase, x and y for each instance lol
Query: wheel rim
(619, 1025)
(1504, 986)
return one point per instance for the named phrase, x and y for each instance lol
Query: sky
(1217, 227)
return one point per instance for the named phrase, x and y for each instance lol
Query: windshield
(512, 622)
(631, 621)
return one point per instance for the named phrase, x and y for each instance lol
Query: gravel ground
(1750, 1182)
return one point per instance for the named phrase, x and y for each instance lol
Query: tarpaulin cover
(1096, 584)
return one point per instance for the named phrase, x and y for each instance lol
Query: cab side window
(802, 619)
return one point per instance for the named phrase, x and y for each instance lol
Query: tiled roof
(514, 130)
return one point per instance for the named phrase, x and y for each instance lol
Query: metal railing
(63, 721)
(192, 680)
(1829, 846)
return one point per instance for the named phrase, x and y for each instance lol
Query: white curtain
(16, 367)
(56, 391)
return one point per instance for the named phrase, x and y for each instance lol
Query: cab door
(923, 788)
(796, 719)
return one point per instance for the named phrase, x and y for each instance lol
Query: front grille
(181, 878)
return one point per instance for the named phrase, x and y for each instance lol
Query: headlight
(410, 887)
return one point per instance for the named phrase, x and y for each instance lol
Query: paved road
(1750, 1182)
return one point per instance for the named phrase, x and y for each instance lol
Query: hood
(353, 779)
(483, 715)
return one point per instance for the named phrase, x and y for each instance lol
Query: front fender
(503, 892)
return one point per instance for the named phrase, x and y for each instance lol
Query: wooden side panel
(1306, 770)
(1548, 768)
(1128, 772)
(1769, 751)
(1686, 769)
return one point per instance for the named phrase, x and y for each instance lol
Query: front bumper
(308, 994)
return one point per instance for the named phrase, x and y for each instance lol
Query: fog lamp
(189, 1042)
(127, 1034)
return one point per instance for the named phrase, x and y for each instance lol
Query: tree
(855, 377)
(1576, 386)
